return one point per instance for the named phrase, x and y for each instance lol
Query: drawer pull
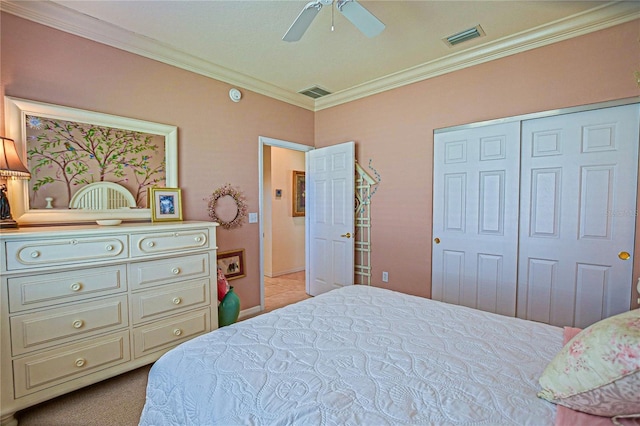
(109, 247)
(35, 254)
(177, 300)
(151, 244)
(177, 332)
(80, 362)
(78, 324)
(175, 271)
(76, 287)
(198, 239)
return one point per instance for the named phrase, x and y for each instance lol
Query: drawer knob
(35, 254)
(109, 247)
(175, 271)
(177, 300)
(78, 324)
(177, 332)
(151, 244)
(80, 362)
(198, 239)
(76, 287)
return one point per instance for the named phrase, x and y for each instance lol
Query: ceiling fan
(364, 20)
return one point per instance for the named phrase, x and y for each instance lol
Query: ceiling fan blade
(302, 22)
(364, 20)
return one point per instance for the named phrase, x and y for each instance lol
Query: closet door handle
(436, 240)
(624, 255)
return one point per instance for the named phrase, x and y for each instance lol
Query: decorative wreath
(237, 195)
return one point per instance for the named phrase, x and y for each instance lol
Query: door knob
(347, 235)
(436, 240)
(624, 255)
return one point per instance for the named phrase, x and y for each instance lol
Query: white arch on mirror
(16, 111)
(101, 196)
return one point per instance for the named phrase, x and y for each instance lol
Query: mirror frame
(16, 111)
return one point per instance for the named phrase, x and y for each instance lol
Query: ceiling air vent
(465, 35)
(315, 92)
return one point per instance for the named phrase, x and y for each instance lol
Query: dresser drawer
(170, 299)
(164, 271)
(37, 372)
(60, 325)
(30, 254)
(164, 242)
(44, 290)
(167, 333)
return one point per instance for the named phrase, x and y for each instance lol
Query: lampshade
(10, 163)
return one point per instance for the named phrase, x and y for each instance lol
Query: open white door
(330, 217)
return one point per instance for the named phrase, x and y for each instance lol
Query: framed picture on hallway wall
(298, 193)
(232, 263)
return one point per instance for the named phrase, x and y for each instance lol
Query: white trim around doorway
(262, 142)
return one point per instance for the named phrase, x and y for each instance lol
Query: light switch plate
(253, 217)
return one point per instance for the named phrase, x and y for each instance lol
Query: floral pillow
(598, 371)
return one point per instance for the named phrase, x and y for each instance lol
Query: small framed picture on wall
(166, 204)
(232, 263)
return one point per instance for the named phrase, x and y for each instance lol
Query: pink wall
(395, 130)
(218, 139)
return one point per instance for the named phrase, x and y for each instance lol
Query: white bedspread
(358, 356)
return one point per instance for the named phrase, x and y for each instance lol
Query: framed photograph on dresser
(166, 204)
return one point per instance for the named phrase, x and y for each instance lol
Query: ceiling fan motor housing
(364, 20)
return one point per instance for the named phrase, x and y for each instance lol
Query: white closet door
(578, 204)
(475, 217)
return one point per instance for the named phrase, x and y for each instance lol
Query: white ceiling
(239, 41)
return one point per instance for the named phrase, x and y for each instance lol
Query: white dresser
(84, 303)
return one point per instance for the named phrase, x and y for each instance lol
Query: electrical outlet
(385, 277)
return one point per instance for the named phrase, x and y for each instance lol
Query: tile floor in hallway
(283, 290)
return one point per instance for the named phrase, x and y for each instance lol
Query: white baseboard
(245, 313)
(290, 271)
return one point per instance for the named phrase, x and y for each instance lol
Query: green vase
(229, 309)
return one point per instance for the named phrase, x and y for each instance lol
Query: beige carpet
(119, 401)
(114, 402)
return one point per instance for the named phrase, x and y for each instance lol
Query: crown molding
(62, 18)
(608, 15)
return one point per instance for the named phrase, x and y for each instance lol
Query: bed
(358, 355)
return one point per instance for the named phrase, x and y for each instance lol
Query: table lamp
(11, 167)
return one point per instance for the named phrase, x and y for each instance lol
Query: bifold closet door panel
(475, 217)
(578, 214)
